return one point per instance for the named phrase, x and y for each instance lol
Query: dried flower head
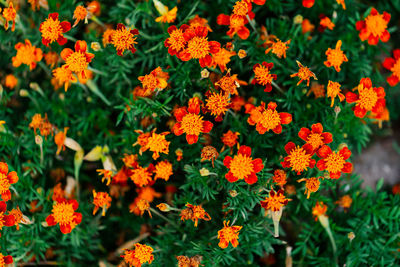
(194, 213)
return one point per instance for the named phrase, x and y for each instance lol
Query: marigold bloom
(229, 84)
(230, 139)
(9, 14)
(279, 177)
(319, 210)
(380, 117)
(35, 122)
(221, 58)
(45, 127)
(19, 218)
(52, 29)
(306, 26)
(63, 213)
(229, 234)
(5, 220)
(167, 16)
(308, 3)
(124, 39)
(139, 255)
(77, 61)
(176, 42)
(345, 202)
(317, 89)
(130, 161)
(194, 213)
(267, 119)
(334, 162)
(316, 138)
(277, 47)
(190, 122)
(5, 260)
(163, 170)
(107, 37)
(80, 13)
(333, 90)
(164, 207)
(141, 205)
(198, 46)
(27, 54)
(368, 99)
(209, 153)
(94, 8)
(325, 23)
(304, 74)
(335, 57)
(6, 180)
(299, 158)
(312, 185)
(59, 139)
(157, 144)
(198, 21)
(263, 75)
(393, 64)
(243, 166)
(217, 104)
(275, 201)
(374, 27)
(184, 261)
(242, 54)
(11, 81)
(101, 200)
(107, 175)
(64, 76)
(51, 58)
(156, 80)
(341, 2)
(142, 176)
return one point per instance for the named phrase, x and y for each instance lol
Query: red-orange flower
(229, 234)
(124, 39)
(217, 104)
(27, 54)
(374, 27)
(107, 175)
(5, 220)
(77, 61)
(393, 64)
(243, 166)
(319, 210)
(267, 119)
(304, 74)
(341, 2)
(345, 202)
(299, 158)
(190, 122)
(312, 185)
(277, 47)
(80, 13)
(101, 200)
(194, 213)
(63, 213)
(368, 98)
(275, 201)
(308, 3)
(306, 26)
(325, 23)
(59, 139)
(230, 139)
(221, 58)
(176, 41)
(156, 143)
(6, 180)
(263, 76)
(333, 90)
(334, 162)
(156, 80)
(142, 176)
(229, 84)
(9, 14)
(6, 259)
(317, 89)
(53, 30)
(139, 255)
(316, 138)
(335, 57)
(279, 177)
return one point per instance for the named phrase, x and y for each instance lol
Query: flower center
(63, 75)
(149, 82)
(279, 48)
(299, 159)
(315, 140)
(241, 166)
(368, 98)
(177, 40)
(157, 143)
(4, 183)
(218, 103)
(76, 62)
(334, 162)
(141, 176)
(396, 69)
(376, 24)
(312, 184)
(333, 89)
(304, 73)
(123, 39)
(262, 75)
(143, 253)
(198, 47)
(51, 29)
(192, 124)
(63, 213)
(335, 57)
(230, 234)
(270, 119)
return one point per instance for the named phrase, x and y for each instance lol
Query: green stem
(277, 87)
(163, 217)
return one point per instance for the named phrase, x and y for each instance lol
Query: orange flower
(156, 80)
(275, 201)
(179, 154)
(51, 58)
(380, 117)
(221, 58)
(334, 162)
(63, 214)
(198, 46)
(279, 177)
(124, 39)
(64, 76)
(142, 176)
(6, 259)
(312, 185)
(190, 122)
(368, 99)
(167, 16)
(325, 23)
(11, 81)
(107, 175)
(45, 127)
(94, 8)
(308, 3)
(184, 261)
(209, 153)
(345, 202)
(176, 41)
(317, 89)
(139, 255)
(107, 36)
(9, 14)
(217, 104)
(374, 27)
(53, 30)
(148, 193)
(243, 166)
(59, 139)
(319, 210)
(299, 158)
(194, 213)
(229, 234)
(334, 91)
(19, 217)
(36, 121)
(335, 57)
(101, 200)
(267, 119)
(277, 47)
(130, 161)
(304, 74)
(198, 21)
(143, 205)
(27, 54)
(263, 75)
(242, 54)
(6, 180)
(80, 13)
(230, 139)
(163, 170)
(157, 144)
(393, 64)
(306, 26)
(77, 61)
(229, 84)
(5, 220)
(341, 2)
(316, 138)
